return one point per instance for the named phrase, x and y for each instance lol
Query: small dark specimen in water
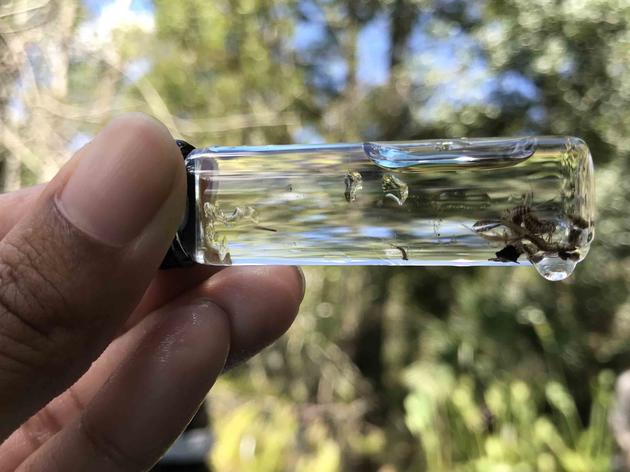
(517, 213)
(266, 228)
(523, 232)
(403, 251)
(538, 226)
(509, 253)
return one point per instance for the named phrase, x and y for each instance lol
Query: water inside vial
(444, 202)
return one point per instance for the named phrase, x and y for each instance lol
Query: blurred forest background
(385, 369)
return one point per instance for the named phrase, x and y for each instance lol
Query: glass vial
(455, 202)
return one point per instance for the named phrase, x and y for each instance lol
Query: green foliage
(506, 426)
(228, 59)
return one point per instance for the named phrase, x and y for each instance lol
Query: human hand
(103, 361)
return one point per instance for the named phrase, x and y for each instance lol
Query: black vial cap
(176, 255)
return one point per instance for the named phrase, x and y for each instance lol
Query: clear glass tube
(457, 202)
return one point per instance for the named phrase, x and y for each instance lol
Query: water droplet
(555, 268)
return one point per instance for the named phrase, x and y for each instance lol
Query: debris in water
(354, 183)
(395, 189)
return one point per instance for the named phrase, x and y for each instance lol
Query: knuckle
(32, 306)
(41, 426)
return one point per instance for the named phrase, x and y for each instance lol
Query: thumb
(73, 269)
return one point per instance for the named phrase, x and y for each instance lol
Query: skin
(104, 359)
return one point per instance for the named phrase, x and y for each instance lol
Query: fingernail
(121, 181)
